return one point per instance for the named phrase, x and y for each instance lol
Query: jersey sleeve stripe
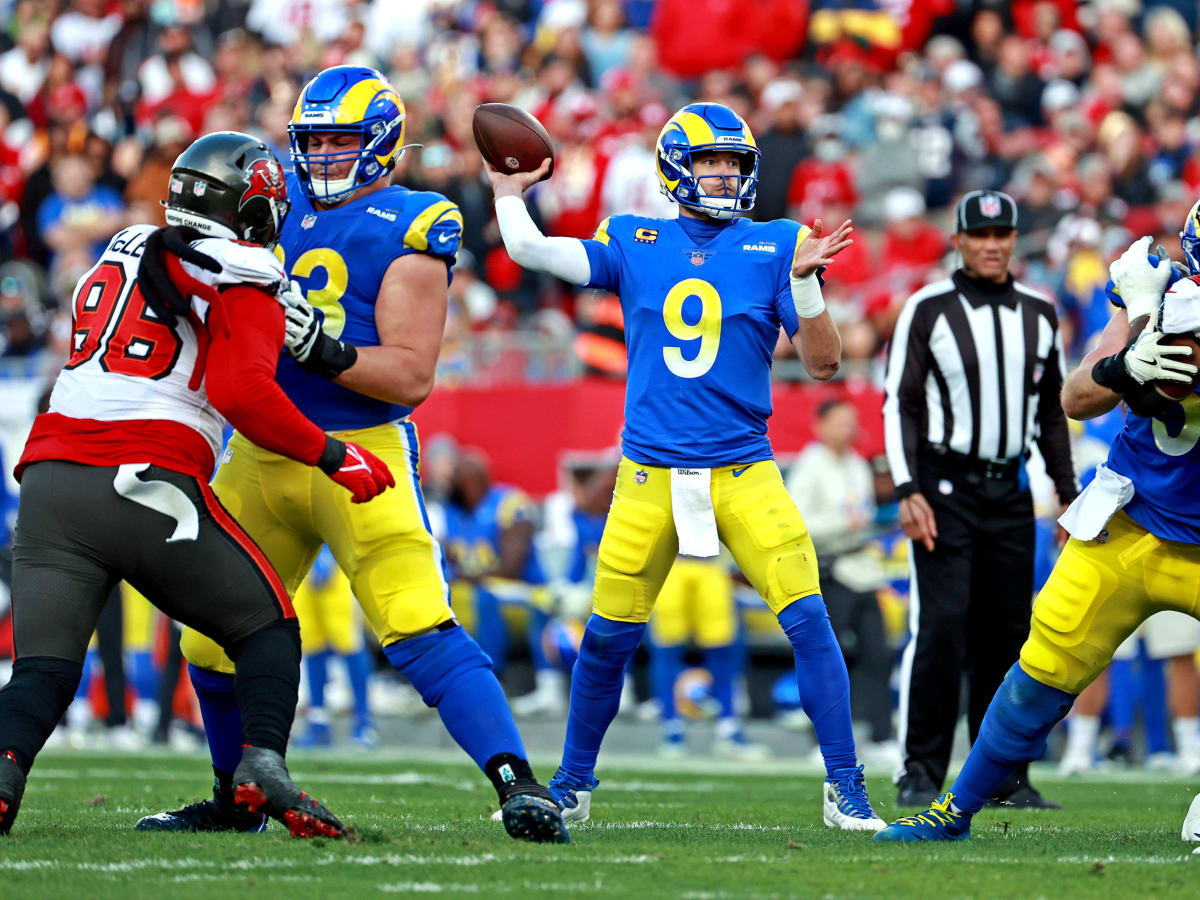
(801, 236)
(602, 231)
(417, 236)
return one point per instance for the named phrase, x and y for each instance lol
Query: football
(1177, 390)
(510, 139)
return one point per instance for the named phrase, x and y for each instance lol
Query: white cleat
(1191, 823)
(845, 804)
(739, 747)
(581, 811)
(1073, 763)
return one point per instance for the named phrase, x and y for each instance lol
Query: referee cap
(985, 209)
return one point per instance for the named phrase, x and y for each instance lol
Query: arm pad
(561, 257)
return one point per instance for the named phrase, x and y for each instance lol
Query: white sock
(1187, 735)
(1082, 732)
(728, 727)
(550, 681)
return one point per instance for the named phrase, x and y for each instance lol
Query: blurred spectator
(79, 215)
(824, 178)
(893, 160)
(83, 32)
(24, 67)
(289, 22)
(911, 244)
(782, 144)
(148, 185)
(605, 41)
(176, 80)
(23, 316)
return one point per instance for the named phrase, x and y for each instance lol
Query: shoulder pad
(240, 264)
(436, 228)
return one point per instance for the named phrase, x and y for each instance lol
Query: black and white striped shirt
(976, 368)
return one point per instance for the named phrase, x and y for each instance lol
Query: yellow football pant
(327, 617)
(696, 603)
(756, 519)
(1099, 593)
(384, 545)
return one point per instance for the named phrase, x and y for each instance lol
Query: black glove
(154, 280)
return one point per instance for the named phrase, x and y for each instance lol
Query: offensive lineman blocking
(704, 297)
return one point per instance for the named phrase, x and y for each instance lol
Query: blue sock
(535, 628)
(665, 665)
(222, 718)
(490, 630)
(1122, 698)
(317, 667)
(596, 690)
(1018, 720)
(1154, 705)
(359, 667)
(722, 664)
(822, 678)
(145, 675)
(452, 674)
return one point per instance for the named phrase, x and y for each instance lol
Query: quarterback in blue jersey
(703, 297)
(1135, 534)
(371, 265)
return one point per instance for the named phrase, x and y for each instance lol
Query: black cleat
(1018, 793)
(205, 815)
(916, 789)
(533, 817)
(12, 787)
(262, 785)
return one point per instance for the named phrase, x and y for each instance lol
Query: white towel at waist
(692, 507)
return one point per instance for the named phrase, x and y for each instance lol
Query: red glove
(356, 469)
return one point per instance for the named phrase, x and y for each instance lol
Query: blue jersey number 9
(328, 298)
(707, 330)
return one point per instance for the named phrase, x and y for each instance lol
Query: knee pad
(434, 662)
(1022, 714)
(792, 572)
(631, 535)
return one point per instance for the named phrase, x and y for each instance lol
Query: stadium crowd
(1088, 114)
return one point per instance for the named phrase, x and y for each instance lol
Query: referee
(973, 377)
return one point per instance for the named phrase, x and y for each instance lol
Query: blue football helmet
(697, 128)
(1189, 239)
(352, 100)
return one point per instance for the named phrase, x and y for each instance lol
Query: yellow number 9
(707, 330)
(328, 298)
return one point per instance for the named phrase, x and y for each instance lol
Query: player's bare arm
(817, 340)
(1082, 397)
(410, 314)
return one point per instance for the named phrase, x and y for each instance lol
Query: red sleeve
(246, 329)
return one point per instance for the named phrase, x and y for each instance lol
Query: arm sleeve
(1053, 438)
(246, 329)
(904, 396)
(565, 258)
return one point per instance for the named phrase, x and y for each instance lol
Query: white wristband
(806, 296)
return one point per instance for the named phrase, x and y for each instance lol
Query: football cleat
(318, 734)
(574, 798)
(262, 785)
(533, 817)
(938, 823)
(845, 804)
(738, 746)
(205, 815)
(1191, 822)
(12, 787)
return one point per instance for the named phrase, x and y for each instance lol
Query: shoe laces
(939, 815)
(563, 787)
(852, 790)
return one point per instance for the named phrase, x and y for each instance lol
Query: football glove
(1141, 361)
(315, 351)
(1141, 278)
(159, 289)
(356, 469)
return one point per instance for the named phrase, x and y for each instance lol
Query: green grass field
(685, 830)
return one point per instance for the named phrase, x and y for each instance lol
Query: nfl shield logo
(308, 221)
(199, 187)
(640, 476)
(697, 258)
(989, 206)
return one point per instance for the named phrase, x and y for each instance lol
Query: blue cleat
(574, 797)
(938, 823)
(845, 804)
(318, 734)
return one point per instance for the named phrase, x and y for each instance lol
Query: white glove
(1149, 360)
(303, 326)
(1140, 283)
